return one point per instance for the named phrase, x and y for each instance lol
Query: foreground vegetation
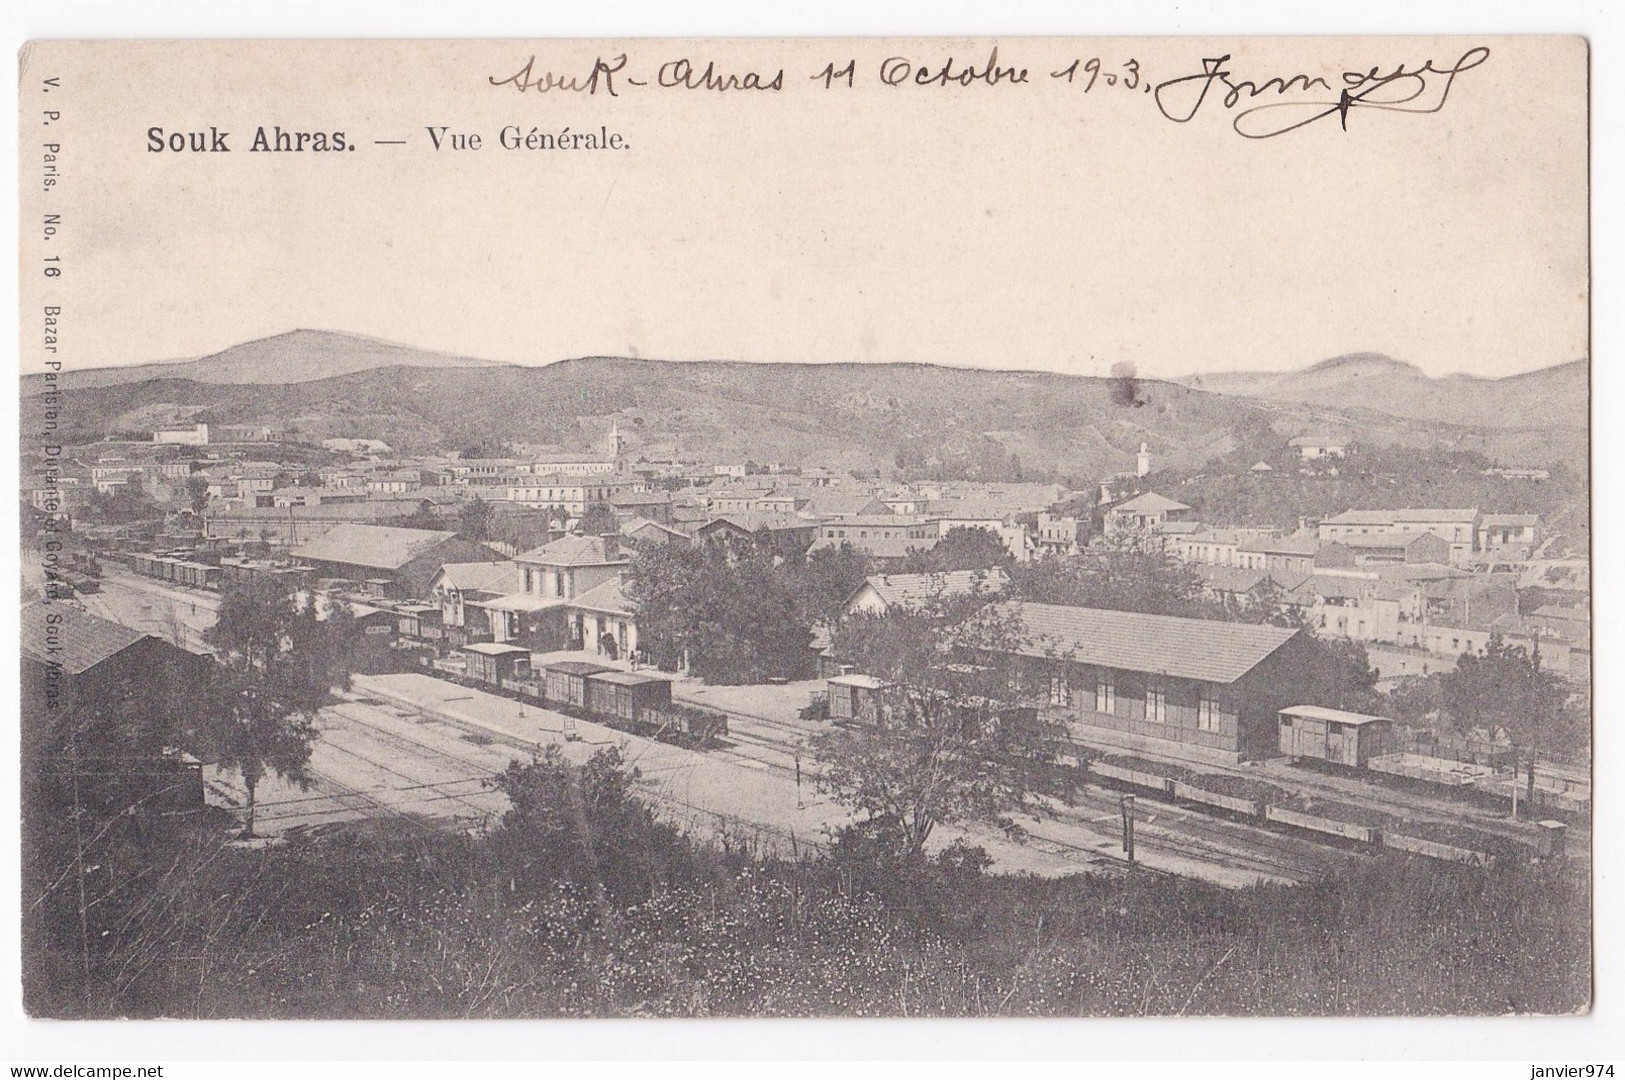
(581, 903)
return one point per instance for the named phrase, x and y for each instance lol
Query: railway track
(1267, 853)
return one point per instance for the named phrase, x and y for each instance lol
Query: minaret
(1142, 462)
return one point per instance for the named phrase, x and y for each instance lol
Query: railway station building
(1193, 688)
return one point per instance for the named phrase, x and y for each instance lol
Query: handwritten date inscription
(1259, 106)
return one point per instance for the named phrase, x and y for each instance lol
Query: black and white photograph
(819, 528)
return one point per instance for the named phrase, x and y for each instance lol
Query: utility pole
(1127, 805)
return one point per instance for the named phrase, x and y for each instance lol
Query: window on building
(1105, 695)
(1207, 709)
(558, 584)
(1058, 692)
(1156, 702)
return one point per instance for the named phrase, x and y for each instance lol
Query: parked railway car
(625, 696)
(567, 681)
(1364, 743)
(1332, 735)
(493, 663)
(855, 697)
(684, 725)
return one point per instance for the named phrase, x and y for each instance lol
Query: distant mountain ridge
(913, 417)
(1557, 396)
(292, 357)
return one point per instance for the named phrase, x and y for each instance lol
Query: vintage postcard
(806, 528)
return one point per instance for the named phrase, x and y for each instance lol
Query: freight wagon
(567, 681)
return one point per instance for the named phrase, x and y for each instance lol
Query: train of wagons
(629, 701)
(179, 568)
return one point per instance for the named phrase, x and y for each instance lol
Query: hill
(294, 357)
(913, 419)
(1553, 397)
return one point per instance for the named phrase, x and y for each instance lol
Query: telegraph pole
(1127, 805)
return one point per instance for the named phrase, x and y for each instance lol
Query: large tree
(950, 740)
(727, 605)
(1131, 573)
(281, 660)
(962, 548)
(477, 519)
(1507, 688)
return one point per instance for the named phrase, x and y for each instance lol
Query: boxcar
(491, 662)
(855, 697)
(567, 681)
(624, 696)
(1332, 735)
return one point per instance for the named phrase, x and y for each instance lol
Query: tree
(427, 516)
(583, 822)
(478, 518)
(599, 520)
(962, 548)
(1132, 573)
(1507, 688)
(825, 579)
(281, 661)
(727, 605)
(949, 741)
(197, 492)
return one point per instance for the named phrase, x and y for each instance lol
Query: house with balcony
(556, 579)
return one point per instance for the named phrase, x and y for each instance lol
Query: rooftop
(497, 577)
(574, 550)
(380, 547)
(492, 648)
(906, 589)
(1212, 651)
(608, 598)
(81, 640)
(1150, 503)
(1281, 545)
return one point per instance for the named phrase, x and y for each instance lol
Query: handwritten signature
(1418, 90)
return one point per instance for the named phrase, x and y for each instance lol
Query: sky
(1036, 225)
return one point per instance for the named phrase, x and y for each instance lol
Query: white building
(196, 435)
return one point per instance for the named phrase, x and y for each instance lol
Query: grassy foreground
(581, 904)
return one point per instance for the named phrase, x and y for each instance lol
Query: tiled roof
(1385, 541)
(906, 589)
(607, 597)
(572, 550)
(1281, 545)
(1230, 579)
(637, 525)
(1219, 652)
(1522, 520)
(1150, 503)
(1429, 514)
(380, 547)
(78, 641)
(892, 520)
(1362, 517)
(752, 520)
(497, 577)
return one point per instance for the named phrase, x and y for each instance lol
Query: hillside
(1554, 397)
(293, 357)
(916, 418)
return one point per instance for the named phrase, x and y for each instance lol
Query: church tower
(1142, 461)
(617, 444)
